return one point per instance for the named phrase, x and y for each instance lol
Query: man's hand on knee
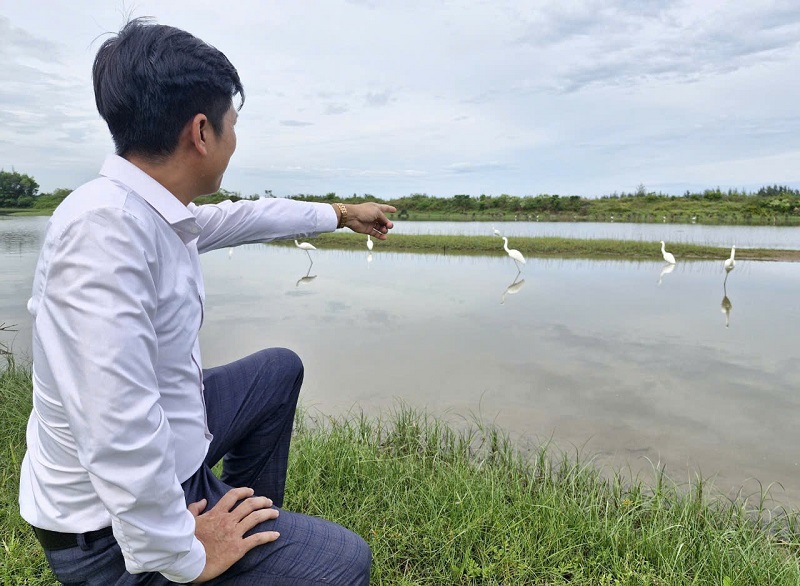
(221, 530)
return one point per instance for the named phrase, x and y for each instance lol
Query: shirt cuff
(189, 566)
(326, 217)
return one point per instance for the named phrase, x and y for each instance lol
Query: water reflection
(668, 268)
(307, 278)
(369, 259)
(514, 288)
(21, 235)
(726, 305)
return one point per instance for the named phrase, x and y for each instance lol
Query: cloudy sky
(391, 97)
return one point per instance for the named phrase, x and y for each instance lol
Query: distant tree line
(769, 203)
(775, 203)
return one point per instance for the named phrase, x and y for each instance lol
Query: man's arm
(233, 223)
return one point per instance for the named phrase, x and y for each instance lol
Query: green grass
(27, 211)
(544, 246)
(460, 504)
(21, 558)
(440, 506)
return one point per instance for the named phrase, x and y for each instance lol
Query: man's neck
(171, 173)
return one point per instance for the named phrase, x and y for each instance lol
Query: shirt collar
(159, 197)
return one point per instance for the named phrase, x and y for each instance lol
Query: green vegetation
(442, 504)
(775, 205)
(21, 558)
(17, 190)
(542, 247)
(4, 349)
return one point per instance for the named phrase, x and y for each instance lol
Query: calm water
(742, 236)
(628, 363)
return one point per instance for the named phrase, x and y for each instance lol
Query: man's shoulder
(100, 197)
(98, 193)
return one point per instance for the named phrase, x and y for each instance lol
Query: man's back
(116, 307)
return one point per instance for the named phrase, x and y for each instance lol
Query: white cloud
(570, 96)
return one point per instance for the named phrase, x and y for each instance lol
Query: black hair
(150, 80)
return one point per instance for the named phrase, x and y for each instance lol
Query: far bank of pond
(543, 247)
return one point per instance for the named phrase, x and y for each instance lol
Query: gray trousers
(250, 405)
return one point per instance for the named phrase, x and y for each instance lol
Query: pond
(624, 361)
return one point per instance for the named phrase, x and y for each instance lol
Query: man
(126, 424)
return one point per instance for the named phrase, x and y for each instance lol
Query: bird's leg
(309, 257)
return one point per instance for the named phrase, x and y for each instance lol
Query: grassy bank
(542, 247)
(440, 506)
(26, 212)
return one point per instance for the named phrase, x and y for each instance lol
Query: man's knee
(362, 562)
(284, 359)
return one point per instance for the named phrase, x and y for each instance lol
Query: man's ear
(199, 127)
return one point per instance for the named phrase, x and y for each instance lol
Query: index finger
(382, 219)
(233, 496)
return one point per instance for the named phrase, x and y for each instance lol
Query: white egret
(369, 242)
(230, 252)
(730, 263)
(515, 254)
(306, 246)
(668, 256)
(496, 231)
(369, 258)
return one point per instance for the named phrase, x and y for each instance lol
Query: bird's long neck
(733, 252)
(505, 244)
(662, 248)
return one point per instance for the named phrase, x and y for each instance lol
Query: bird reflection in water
(668, 268)
(369, 259)
(513, 288)
(308, 277)
(726, 304)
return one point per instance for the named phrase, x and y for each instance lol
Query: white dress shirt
(118, 420)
